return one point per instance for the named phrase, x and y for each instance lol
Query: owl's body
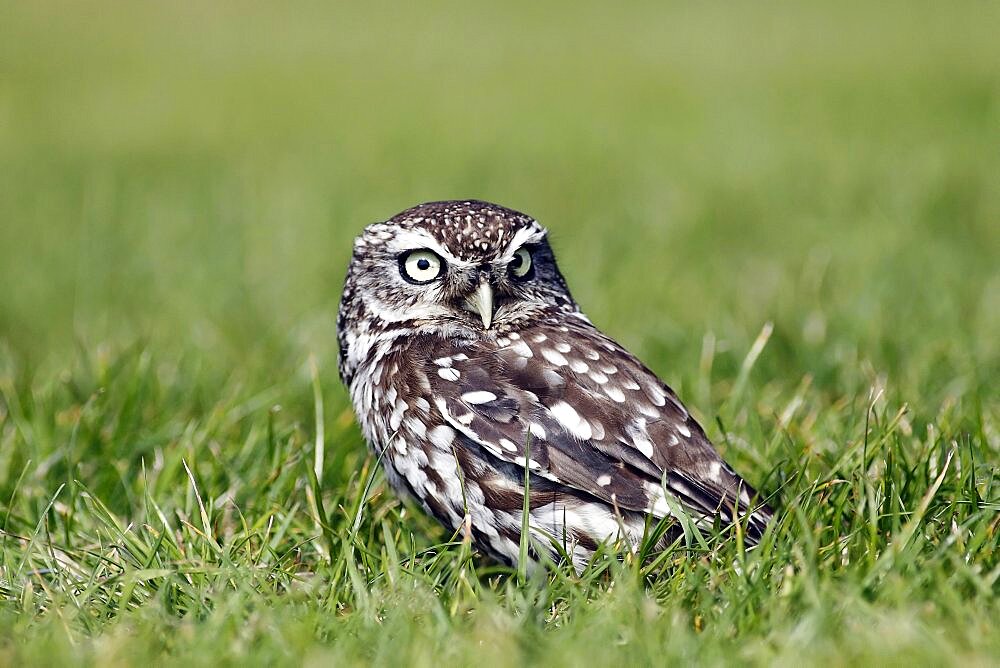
(470, 366)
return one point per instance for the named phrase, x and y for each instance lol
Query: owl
(472, 372)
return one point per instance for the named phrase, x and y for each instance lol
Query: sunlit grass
(790, 213)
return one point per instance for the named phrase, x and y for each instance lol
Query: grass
(789, 211)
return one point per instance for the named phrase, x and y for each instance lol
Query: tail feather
(741, 505)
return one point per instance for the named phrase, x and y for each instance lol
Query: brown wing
(587, 414)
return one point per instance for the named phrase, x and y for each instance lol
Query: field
(790, 211)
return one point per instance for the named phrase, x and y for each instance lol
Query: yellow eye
(520, 266)
(420, 266)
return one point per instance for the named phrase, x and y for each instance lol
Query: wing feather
(579, 410)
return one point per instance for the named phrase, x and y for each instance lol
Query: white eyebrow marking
(525, 235)
(407, 240)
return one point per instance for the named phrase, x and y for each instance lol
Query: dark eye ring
(420, 266)
(521, 267)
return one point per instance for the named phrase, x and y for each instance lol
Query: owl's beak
(481, 302)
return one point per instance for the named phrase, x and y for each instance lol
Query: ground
(789, 211)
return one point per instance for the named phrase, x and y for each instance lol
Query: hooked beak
(481, 302)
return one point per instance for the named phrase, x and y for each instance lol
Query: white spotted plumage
(466, 383)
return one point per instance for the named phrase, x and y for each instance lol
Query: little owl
(472, 370)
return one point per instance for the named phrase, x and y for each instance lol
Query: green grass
(179, 186)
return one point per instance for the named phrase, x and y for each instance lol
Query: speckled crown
(471, 229)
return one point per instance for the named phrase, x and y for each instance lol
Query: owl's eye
(520, 267)
(420, 266)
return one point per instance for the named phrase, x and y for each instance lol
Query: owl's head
(462, 269)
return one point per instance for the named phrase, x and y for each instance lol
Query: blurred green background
(194, 172)
(180, 183)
